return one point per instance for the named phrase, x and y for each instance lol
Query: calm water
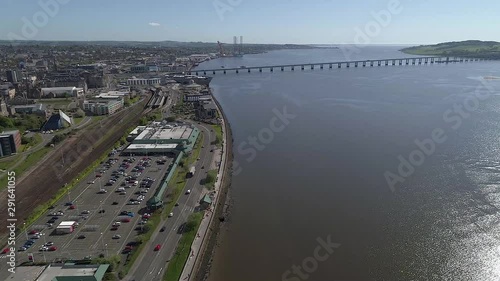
(322, 175)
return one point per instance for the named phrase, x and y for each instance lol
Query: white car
(188, 191)
(170, 215)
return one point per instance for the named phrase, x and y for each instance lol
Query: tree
(170, 119)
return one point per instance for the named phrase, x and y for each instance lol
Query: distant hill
(471, 48)
(201, 46)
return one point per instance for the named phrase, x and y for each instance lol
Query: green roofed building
(61, 272)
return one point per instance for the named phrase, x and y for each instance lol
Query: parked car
(157, 247)
(162, 229)
(117, 236)
(53, 248)
(82, 237)
(5, 251)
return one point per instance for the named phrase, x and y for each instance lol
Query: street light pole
(102, 241)
(25, 230)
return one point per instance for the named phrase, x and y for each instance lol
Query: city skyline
(280, 22)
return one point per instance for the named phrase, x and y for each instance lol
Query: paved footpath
(205, 223)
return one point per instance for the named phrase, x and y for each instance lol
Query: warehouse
(161, 138)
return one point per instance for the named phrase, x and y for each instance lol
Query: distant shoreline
(470, 49)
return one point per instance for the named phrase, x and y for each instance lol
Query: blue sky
(259, 21)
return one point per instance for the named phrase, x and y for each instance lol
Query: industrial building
(61, 92)
(38, 109)
(60, 272)
(10, 142)
(103, 107)
(143, 81)
(162, 138)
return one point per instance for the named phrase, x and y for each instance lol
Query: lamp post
(25, 230)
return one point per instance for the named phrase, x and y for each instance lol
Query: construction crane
(221, 49)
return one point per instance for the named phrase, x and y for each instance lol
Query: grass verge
(153, 222)
(218, 135)
(176, 264)
(210, 179)
(29, 161)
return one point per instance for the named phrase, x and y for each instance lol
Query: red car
(125, 220)
(72, 207)
(33, 232)
(157, 247)
(53, 248)
(5, 251)
(98, 175)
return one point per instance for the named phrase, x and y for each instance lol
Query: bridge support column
(213, 72)
(249, 70)
(282, 68)
(379, 63)
(386, 63)
(196, 73)
(348, 64)
(364, 64)
(330, 66)
(432, 60)
(302, 67)
(419, 61)
(224, 72)
(260, 69)
(272, 70)
(204, 73)
(293, 68)
(237, 71)
(356, 64)
(320, 66)
(413, 61)
(312, 66)
(339, 65)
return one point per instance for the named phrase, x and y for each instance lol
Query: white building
(62, 92)
(103, 107)
(143, 81)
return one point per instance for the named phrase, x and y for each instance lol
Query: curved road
(151, 265)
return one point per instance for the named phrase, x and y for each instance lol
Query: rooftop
(80, 272)
(152, 146)
(166, 132)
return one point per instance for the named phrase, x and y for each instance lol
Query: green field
(218, 135)
(30, 160)
(474, 49)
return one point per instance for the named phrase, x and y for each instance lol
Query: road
(151, 264)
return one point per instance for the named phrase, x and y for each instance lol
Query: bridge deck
(339, 63)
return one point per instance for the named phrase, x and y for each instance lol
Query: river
(317, 194)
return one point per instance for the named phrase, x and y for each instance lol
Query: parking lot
(96, 204)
